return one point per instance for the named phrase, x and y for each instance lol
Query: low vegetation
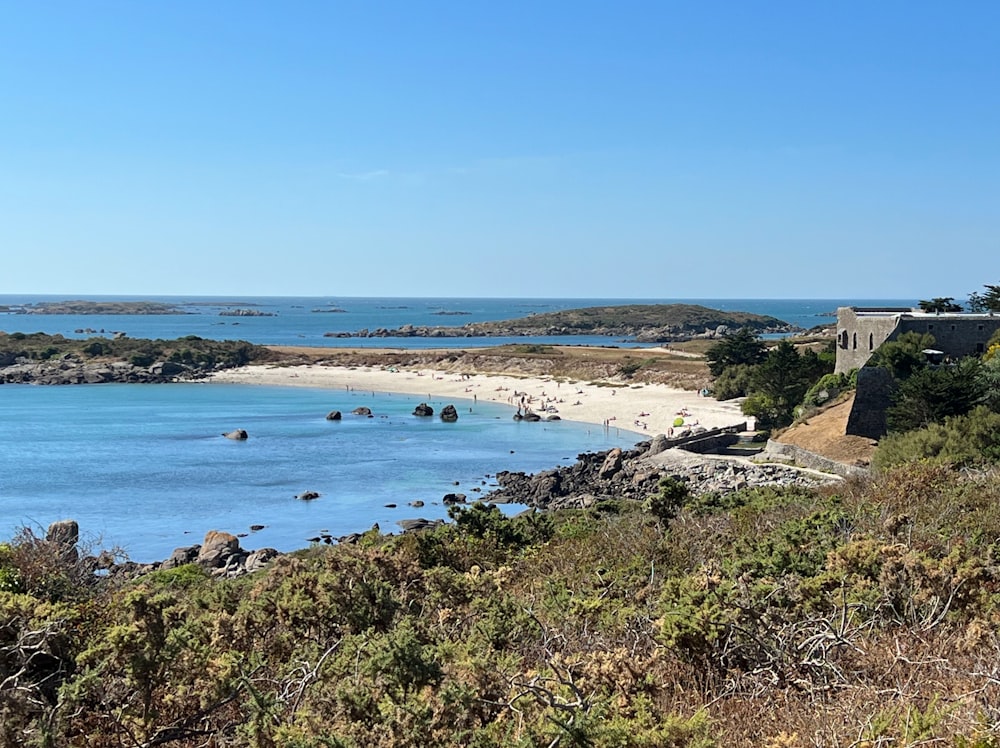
(764, 617)
(191, 350)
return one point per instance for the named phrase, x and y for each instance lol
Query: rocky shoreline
(616, 474)
(71, 369)
(662, 334)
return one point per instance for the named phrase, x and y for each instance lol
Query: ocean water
(300, 321)
(145, 468)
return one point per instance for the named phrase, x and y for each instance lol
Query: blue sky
(630, 149)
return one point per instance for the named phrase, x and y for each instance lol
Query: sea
(144, 468)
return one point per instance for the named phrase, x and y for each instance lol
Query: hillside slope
(825, 434)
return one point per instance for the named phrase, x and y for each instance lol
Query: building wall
(860, 335)
(953, 335)
(861, 331)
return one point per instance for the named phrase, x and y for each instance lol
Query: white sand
(647, 409)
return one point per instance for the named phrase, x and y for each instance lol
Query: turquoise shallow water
(145, 467)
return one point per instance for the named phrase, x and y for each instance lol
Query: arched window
(871, 341)
(855, 341)
(843, 340)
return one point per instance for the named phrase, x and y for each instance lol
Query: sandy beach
(646, 409)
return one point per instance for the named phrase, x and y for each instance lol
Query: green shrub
(968, 439)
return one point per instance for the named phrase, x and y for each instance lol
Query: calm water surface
(145, 466)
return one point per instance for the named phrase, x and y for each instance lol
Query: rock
(181, 557)
(612, 463)
(553, 418)
(65, 535)
(333, 415)
(533, 417)
(308, 495)
(237, 435)
(423, 410)
(658, 444)
(259, 559)
(362, 411)
(217, 549)
(454, 498)
(449, 414)
(167, 369)
(256, 528)
(415, 525)
(417, 504)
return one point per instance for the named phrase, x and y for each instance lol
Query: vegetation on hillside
(767, 617)
(191, 351)
(775, 381)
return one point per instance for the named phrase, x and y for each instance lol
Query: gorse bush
(758, 617)
(970, 439)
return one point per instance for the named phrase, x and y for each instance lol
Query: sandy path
(647, 409)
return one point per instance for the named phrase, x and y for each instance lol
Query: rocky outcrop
(70, 369)
(423, 410)
(334, 415)
(245, 313)
(65, 534)
(636, 475)
(237, 435)
(308, 495)
(449, 414)
(362, 411)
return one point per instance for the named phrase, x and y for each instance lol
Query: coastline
(646, 409)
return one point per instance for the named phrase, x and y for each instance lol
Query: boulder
(423, 410)
(181, 556)
(531, 416)
(237, 435)
(333, 415)
(362, 411)
(260, 558)
(659, 444)
(612, 463)
(415, 525)
(449, 414)
(454, 498)
(65, 535)
(308, 495)
(167, 369)
(217, 549)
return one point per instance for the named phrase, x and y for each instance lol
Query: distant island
(100, 307)
(645, 322)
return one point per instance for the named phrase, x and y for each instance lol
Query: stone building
(861, 330)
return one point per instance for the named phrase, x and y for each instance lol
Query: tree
(932, 394)
(780, 382)
(940, 304)
(985, 302)
(742, 347)
(904, 355)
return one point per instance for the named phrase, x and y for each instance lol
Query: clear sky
(664, 149)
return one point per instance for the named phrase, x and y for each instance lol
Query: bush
(932, 394)
(960, 440)
(734, 381)
(828, 387)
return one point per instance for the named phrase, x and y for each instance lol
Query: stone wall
(779, 452)
(954, 335)
(860, 335)
(873, 396)
(860, 332)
